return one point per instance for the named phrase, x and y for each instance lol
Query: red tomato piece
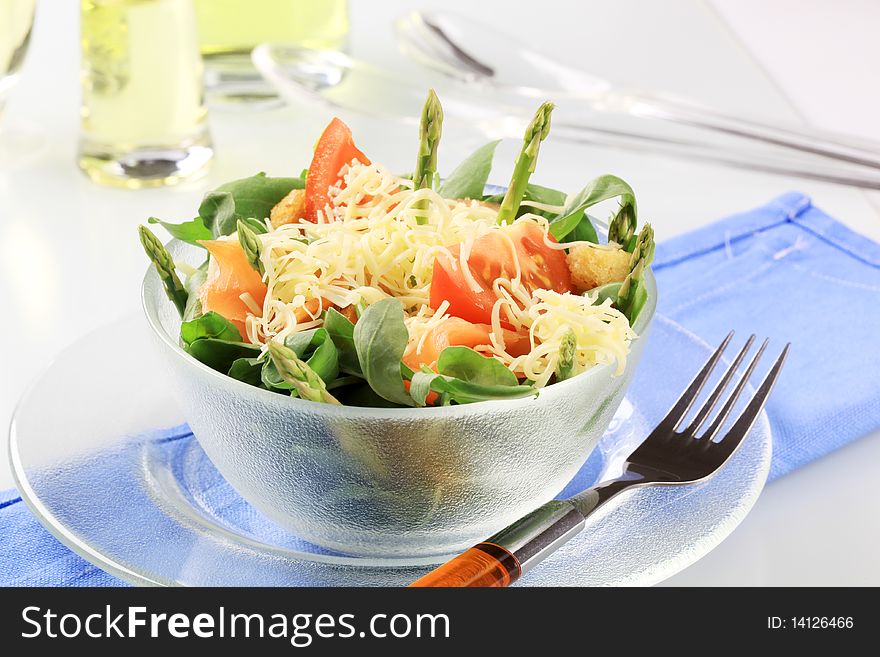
(334, 150)
(491, 257)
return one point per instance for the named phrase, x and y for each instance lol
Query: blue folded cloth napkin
(785, 270)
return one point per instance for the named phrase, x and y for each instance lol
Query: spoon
(336, 81)
(478, 55)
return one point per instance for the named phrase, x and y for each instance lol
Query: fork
(669, 456)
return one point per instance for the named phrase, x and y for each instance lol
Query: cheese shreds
(379, 237)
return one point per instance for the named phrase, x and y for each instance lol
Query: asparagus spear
(299, 375)
(164, 264)
(567, 352)
(632, 295)
(525, 163)
(430, 129)
(251, 245)
(644, 247)
(622, 227)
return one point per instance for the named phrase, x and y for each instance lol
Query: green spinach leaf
(584, 231)
(249, 199)
(380, 338)
(597, 190)
(209, 325)
(364, 396)
(467, 365)
(217, 211)
(470, 177)
(341, 331)
(220, 354)
(462, 392)
(193, 282)
(247, 370)
(257, 195)
(466, 376)
(188, 231)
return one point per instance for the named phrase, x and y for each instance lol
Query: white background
(70, 261)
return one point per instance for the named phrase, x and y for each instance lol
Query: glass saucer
(103, 457)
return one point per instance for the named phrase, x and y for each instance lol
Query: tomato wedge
(334, 150)
(229, 276)
(454, 331)
(491, 257)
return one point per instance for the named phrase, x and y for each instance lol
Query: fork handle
(502, 559)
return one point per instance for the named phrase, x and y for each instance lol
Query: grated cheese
(372, 241)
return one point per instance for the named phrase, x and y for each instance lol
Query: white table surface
(70, 260)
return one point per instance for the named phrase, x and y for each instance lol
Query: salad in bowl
(397, 365)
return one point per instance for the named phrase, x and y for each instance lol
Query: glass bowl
(399, 482)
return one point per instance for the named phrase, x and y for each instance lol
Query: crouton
(591, 266)
(289, 209)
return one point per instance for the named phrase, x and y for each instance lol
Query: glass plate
(102, 456)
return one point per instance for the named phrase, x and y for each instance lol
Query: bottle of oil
(16, 18)
(230, 29)
(143, 111)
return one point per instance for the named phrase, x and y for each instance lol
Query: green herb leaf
(380, 338)
(364, 396)
(217, 211)
(420, 386)
(598, 190)
(209, 325)
(247, 370)
(188, 231)
(584, 231)
(256, 196)
(466, 376)
(607, 291)
(249, 199)
(462, 392)
(341, 331)
(220, 354)
(466, 364)
(470, 177)
(193, 282)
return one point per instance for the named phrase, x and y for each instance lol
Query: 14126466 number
(810, 622)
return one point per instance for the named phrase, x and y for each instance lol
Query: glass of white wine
(230, 29)
(16, 22)
(144, 121)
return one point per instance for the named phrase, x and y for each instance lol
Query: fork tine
(715, 396)
(735, 395)
(684, 403)
(746, 419)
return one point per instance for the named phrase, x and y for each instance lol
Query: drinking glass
(230, 29)
(144, 121)
(16, 21)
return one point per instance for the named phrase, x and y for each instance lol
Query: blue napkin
(789, 272)
(785, 270)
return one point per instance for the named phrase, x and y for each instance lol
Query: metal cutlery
(484, 59)
(677, 452)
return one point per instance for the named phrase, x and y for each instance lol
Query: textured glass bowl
(389, 482)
